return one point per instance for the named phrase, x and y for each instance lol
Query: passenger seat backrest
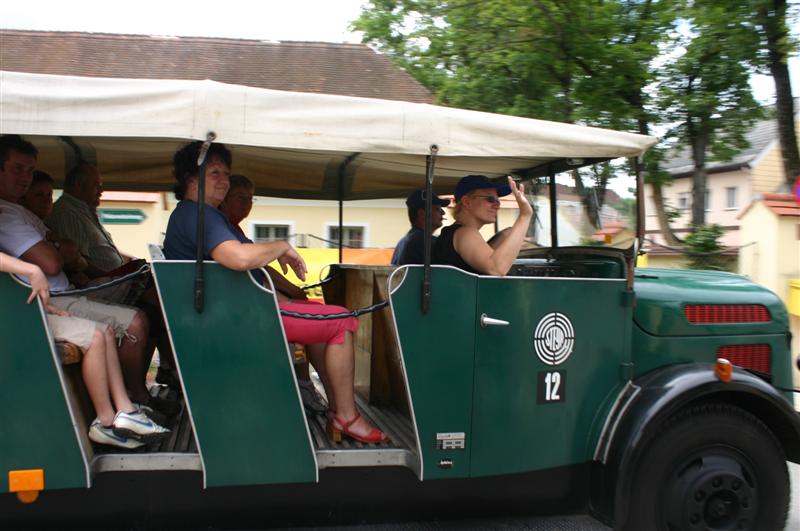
(156, 252)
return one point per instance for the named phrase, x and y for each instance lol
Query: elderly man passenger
(74, 216)
(236, 206)
(334, 360)
(411, 247)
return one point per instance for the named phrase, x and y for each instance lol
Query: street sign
(121, 216)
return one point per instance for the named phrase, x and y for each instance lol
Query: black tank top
(444, 252)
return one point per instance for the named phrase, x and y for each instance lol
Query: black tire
(710, 467)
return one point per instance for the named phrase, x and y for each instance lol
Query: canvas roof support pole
(553, 210)
(199, 281)
(637, 168)
(430, 164)
(639, 241)
(340, 194)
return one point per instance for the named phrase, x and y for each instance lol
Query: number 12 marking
(552, 387)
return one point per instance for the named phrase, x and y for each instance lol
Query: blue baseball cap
(417, 200)
(479, 182)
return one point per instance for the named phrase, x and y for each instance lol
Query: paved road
(553, 523)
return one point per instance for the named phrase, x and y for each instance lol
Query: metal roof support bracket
(553, 210)
(199, 281)
(430, 164)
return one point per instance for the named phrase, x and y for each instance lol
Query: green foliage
(672, 212)
(579, 61)
(623, 64)
(705, 91)
(704, 250)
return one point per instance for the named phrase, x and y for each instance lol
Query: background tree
(581, 61)
(772, 21)
(704, 249)
(706, 91)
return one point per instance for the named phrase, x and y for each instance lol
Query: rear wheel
(711, 467)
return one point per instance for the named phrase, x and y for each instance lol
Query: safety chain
(328, 317)
(145, 268)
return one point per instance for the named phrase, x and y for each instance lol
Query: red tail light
(753, 357)
(726, 313)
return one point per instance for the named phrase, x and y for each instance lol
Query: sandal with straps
(336, 427)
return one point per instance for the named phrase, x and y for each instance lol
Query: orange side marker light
(26, 483)
(723, 369)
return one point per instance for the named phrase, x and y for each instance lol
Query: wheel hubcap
(711, 493)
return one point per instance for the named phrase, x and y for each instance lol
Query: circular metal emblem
(554, 338)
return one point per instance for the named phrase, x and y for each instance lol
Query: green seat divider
(439, 354)
(237, 376)
(36, 430)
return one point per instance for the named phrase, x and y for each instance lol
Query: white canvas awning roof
(292, 144)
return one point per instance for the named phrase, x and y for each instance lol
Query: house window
(707, 202)
(730, 198)
(352, 236)
(683, 200)
(271, 233)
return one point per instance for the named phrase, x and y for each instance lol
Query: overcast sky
(287, 20)
(317, 20)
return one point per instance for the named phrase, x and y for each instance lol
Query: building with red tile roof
(319, 67)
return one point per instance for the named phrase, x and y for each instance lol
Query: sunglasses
(493, 199)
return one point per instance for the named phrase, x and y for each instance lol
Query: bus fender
(655, 397)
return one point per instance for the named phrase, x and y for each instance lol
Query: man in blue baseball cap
(411, 248)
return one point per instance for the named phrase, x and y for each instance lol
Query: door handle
(489, 321)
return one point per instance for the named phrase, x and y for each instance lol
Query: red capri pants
(309, 331)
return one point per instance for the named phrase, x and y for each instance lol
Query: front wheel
(710, 467)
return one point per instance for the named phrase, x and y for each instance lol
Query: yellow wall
(774, 258)
(385, 220)
(667, 262)
(133, 239)
(767, 172)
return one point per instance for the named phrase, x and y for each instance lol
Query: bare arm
(71, 257)
(477, 253)
(245, 256)
(44, 255)
(39, 287)
(284, 286)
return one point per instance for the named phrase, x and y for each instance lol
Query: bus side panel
(238, 380)
(438, 353)
(35, 426)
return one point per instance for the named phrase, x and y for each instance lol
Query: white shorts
(118, 317)
(72, 330)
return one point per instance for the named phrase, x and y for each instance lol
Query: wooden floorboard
(394, 424)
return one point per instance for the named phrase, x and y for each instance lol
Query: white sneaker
(138, 426)
(102, 435)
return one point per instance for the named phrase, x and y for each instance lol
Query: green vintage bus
(577, 382)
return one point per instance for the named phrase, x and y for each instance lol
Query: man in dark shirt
(411, 248)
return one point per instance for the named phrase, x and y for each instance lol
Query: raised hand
(525, 208)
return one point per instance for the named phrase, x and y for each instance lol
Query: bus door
(548, 354)
(237, 377)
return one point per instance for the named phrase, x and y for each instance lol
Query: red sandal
(336, 427)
